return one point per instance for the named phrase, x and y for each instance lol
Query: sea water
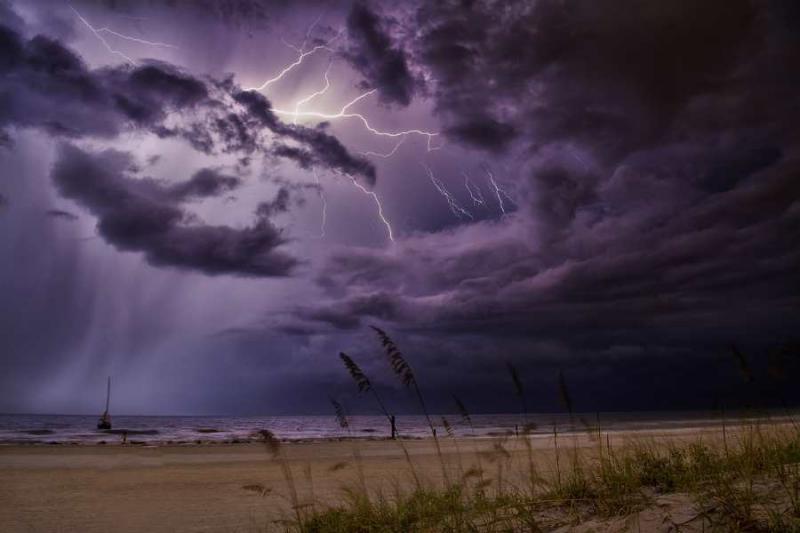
(79, 429)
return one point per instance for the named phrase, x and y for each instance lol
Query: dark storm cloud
(321, 147)
(636, 274)
(482, 131)
(140, 214)
(651, 150)
(147, 93)
(48, 86)
(5, 140)
(347, 315)
(61, 214)
(204, 183)
(9, 17)
(658, 187)
(233, 12)
(278, 205)
(612, 74)
(372, 53)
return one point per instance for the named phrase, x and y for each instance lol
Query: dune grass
(753, 486)
(749, 480)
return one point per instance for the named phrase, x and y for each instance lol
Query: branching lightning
(387, 154)
(302, 54)
(101, 38)
(499, 192)
(290, 67)
(157, 44)
(313, 95)
(455, 207)
(343, 113)
(378, 204)
(474, 190)
(98, 32)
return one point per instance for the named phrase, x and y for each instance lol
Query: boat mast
(108, 393)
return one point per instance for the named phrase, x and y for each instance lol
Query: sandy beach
(234, 487)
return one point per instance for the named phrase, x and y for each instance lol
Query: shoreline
(241, 487)
(116, 438)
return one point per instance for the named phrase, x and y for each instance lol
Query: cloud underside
(659, 178)
(48, 87)
(656, 168)
(142, 215)
(372, 53)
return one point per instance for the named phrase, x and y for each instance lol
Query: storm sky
(208, 201)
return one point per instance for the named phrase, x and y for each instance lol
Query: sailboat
(105, 420)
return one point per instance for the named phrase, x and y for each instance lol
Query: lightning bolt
(324, 201)
(136, 39)
(306, 38)
(314, 94)
(108, 31)
(388, 154)
(302, 55)
(378, 204)
(475, 194)
(343, 113)
(497, 190)
(455, 207)
(101, 38)
(286, 70)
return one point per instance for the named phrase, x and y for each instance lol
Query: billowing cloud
(657, 183)
(205, 182)
(49, 87)
(61, 215)
(140, 214)
(373, 54)
(650, 151)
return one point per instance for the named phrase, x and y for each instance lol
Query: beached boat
(105, 419)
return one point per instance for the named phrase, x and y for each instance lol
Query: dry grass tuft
(396, 358)
(356, 373)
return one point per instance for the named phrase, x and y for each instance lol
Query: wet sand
(232, 487)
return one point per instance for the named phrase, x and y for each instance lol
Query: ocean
(80, 429)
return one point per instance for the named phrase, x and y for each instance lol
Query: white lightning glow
(302, 55)
(108, 31)
(499, 192)
(97, 34)
(313, 95)
(310, 29)
(378, 204)
(343, 113)
(286, 70)
(387, 154)
(455, 207)
(474, 190)
(157, 44)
